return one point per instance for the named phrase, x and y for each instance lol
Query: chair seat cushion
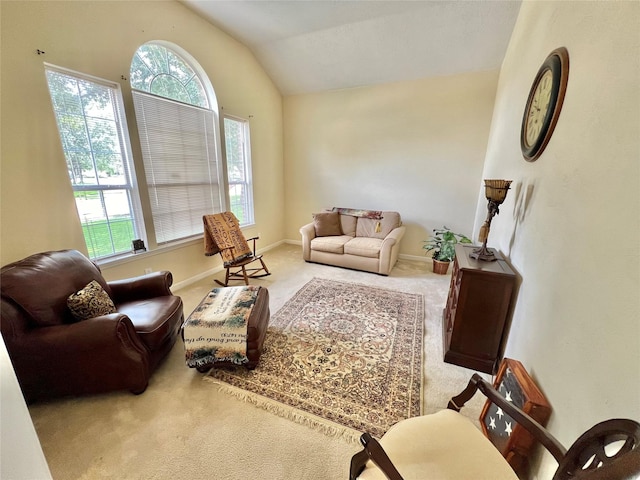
(333, 244)
(444, 445)
(364, 247)
(155, 319)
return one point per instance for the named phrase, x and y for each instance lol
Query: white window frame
(131, 185)
(247, 202)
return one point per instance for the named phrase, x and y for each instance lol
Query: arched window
(158, 70)
(177, 118)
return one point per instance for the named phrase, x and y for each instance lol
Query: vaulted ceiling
(319, 45)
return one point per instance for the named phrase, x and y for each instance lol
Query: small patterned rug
(341, 357)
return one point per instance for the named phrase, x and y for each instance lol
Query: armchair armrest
(374, 451)
(154, 284)
(390, 249)
(308, 233)
(538, 431)
(253, 239)
(89, 335)
(394, 237)
(78, 353)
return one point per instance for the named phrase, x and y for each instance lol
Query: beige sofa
(360, 240)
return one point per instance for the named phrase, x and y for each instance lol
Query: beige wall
(416, 147)
(571, 224)
(100, 38)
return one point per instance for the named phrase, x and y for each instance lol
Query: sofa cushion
(90, 302)
(154, 319)
(364, 247)
(327, 224)
(333, 244)
(348, 224)
(368, 227)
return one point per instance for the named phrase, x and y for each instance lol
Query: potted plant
(443, 245)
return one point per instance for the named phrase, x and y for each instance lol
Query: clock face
(539, 108)
(544, 104)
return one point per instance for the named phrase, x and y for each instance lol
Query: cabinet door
(476, 312)
(483, 303)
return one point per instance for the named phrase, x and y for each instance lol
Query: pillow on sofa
(368, 227)
(327, 224)
(92, 301)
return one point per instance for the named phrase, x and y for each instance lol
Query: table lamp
(496, 192)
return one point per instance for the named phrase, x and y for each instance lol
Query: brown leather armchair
(54, 354)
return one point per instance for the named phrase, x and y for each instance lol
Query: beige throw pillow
(327, 224)
(92, 301)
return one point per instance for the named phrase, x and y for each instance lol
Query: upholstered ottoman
(214, 333)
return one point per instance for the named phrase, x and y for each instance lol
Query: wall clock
(544, 104)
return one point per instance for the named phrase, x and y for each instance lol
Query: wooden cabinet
(474, 318)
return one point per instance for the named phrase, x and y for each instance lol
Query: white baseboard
(415, 258)
(196, 278)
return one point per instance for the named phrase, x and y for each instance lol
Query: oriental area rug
(343, 358)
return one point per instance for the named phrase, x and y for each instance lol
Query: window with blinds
(180, 143)
(93, 133)
(180, 163)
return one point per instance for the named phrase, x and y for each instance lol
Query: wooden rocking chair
(222, 235)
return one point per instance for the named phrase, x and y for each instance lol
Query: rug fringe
(326, 427)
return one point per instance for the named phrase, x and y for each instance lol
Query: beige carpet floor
(182, 427)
